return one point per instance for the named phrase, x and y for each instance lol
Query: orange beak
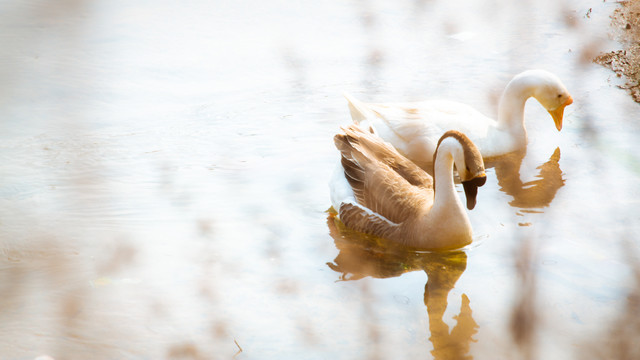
(557, 113)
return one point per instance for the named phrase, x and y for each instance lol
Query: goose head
(468, 162)
(551, 93)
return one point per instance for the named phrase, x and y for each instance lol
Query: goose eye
(559, 96)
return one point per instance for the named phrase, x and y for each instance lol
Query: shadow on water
(531, 194)
(362, 255)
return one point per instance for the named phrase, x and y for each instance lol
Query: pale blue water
(164, 168)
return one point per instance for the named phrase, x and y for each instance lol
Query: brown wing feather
(390, 195)
(357, 218)
(386, 153)
(382, 180)
(353, 172)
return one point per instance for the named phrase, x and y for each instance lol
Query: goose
(415, 127)
(376, 190)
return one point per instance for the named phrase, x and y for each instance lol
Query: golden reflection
(532, 194)
(363, 255)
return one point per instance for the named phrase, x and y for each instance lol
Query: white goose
(414, 128)
(378, 191)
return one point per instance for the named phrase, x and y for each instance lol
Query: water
(164, 176)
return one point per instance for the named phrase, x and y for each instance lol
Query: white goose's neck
(511, 107)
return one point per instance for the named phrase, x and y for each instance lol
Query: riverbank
(626, 62)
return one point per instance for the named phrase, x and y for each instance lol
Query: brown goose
(378, 191)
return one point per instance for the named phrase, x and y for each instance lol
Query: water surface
(164, 176)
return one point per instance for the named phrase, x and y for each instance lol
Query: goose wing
(389, 188)
(379, 151)
(415, 127)
(430, 119)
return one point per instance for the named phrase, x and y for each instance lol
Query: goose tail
(359, 110)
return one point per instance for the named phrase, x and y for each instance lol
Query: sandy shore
(626, 62)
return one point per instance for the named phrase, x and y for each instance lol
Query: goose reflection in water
(532, 194)
(363, 255)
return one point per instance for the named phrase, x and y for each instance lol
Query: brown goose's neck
(444, 187)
